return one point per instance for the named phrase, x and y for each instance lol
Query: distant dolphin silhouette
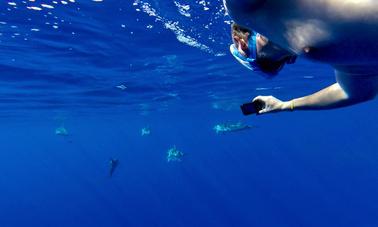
(113, 163)
(62, 131)
(231, 127)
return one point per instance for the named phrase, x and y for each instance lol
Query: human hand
(269, 104)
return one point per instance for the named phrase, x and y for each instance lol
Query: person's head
(257, 53)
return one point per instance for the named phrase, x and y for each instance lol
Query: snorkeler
(113, 164)
(339, 33)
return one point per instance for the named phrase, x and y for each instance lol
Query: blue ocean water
(104, 70)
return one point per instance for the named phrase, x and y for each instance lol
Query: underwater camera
(252, 107)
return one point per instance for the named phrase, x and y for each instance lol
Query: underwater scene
(127, 113)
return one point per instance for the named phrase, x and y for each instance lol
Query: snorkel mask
(250, 61)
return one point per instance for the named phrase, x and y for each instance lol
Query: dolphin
(231, 127)
(113, 164)
(61, 131)
(145, 131)
(174, 155)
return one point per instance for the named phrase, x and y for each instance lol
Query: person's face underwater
(242, 43)
(271, 52)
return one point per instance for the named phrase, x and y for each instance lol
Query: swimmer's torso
(336, 31)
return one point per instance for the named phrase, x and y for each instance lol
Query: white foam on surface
(174, 27)
(183, 9)
(47, 6)
(34, 8)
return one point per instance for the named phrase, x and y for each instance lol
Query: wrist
(288, 105)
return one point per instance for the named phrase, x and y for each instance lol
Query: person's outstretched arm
(349, 90)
